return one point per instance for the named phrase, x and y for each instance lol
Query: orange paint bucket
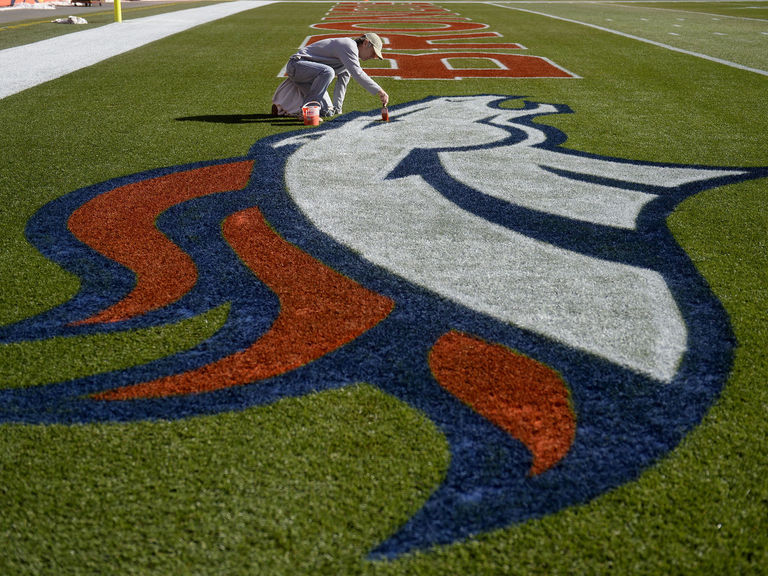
(311, 113)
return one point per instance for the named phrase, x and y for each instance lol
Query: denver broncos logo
(527, 298)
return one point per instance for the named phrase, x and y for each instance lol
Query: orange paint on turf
(120, 224)
(430, 25)
(434, 41)
(523, 397)
(432, 66)
(320, 311)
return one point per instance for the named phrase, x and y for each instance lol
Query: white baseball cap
(376, 43)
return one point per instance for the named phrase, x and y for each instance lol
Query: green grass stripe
(28, 31)
(63, 358)
(735, 40)
(742, 10)
(304, 487)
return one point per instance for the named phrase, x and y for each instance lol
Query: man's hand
(384, 97)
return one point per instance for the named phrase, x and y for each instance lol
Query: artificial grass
(749, 10)
(38, 27)
(309, 485)
(736, 40)
(230, 494)
(37, 362)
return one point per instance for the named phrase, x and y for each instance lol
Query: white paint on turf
(530, 178)
(620, 312)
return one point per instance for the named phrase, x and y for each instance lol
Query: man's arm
(349, 58)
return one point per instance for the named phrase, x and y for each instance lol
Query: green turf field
(310, 485)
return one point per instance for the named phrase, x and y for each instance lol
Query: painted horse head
(527, 298)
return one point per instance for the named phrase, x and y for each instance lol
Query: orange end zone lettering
(432, 42)
(436, 66)
(376, 26)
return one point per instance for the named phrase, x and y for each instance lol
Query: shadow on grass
(243, 119)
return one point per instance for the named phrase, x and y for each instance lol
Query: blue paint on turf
(625, 421)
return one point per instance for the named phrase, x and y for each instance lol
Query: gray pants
(312, 78)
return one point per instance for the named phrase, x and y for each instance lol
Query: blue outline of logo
(626, 421)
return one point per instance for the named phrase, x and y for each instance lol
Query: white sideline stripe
(632, 37)
(23, 67)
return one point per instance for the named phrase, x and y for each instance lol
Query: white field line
(23, 67)
(638, 38)
(725, 16)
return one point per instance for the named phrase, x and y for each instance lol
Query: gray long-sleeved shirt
(340, 54)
